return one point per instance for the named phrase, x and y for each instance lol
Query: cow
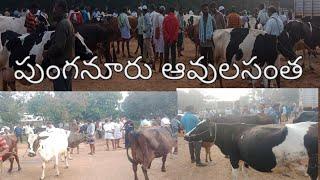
(311, 116)
(262, 147)
(98, 39)
(241, 44)
(259, 119)
(74, 140)
(302, 37)
(12, 154)
(49, 145)
(17, 47)
(147, 145)
(13, 24)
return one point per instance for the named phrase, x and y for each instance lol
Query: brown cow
(12, 154)
(147, 145)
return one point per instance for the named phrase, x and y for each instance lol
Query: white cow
(13, 24)
(49, 145)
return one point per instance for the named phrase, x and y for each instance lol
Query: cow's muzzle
(31, 154)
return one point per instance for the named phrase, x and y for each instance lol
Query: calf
(262, 147)
(147, 145)
(49, 145)
(207, 146)
(74, 140)
(13, 151)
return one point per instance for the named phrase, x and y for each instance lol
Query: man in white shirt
(262, 15)
(274, 25)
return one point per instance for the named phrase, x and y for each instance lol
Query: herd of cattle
(253, 139)
(231, 45)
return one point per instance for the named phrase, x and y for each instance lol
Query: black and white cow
(307, 116)
(17, 47)
(262, 147)
(241, 44)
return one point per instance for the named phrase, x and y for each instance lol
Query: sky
(223, 94)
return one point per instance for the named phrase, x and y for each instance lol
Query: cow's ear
(43, 137)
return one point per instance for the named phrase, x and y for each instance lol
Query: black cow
(262, 147)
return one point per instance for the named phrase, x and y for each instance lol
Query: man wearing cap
(207, 26)
(147, 38)
(181, 32)
(218, 16)
(234, 19)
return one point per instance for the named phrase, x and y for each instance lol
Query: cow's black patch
(265, 48)
(237, 37)
(255, 146)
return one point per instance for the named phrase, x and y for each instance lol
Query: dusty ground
(114, 165)
(158, 82)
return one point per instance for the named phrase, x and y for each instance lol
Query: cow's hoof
(163, 170)
(41, 178)
(10, 171)
(67, 167)
(19, 169)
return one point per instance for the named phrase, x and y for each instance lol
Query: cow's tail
(129, 157)
(132, 137)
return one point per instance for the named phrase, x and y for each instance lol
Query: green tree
(10, 109)
(150, 104)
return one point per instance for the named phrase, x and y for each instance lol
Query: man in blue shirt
(190, 121)
(18, 132)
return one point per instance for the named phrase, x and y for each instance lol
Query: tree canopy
(66, 106)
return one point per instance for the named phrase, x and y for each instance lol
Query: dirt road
(158, 82)
(113, 165)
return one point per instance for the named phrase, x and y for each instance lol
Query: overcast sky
(222, 94)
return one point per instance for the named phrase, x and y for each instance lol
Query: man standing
(18, 132)
(140, 31)
(125, 27)
(262, 16)
(175, 127)
(31, 19)
(170, 33)
(218, 16)
(234, 19)
(147, 38)
(158, 35)
(181, 32)
(75, 129)
(128, 127)
(63, 45)
(190, 121)
(207, 26)
(274, 25)
(91, 137)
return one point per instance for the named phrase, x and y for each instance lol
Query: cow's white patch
(292, 148)
(38, 49)
(13, 24)
(235, 173)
